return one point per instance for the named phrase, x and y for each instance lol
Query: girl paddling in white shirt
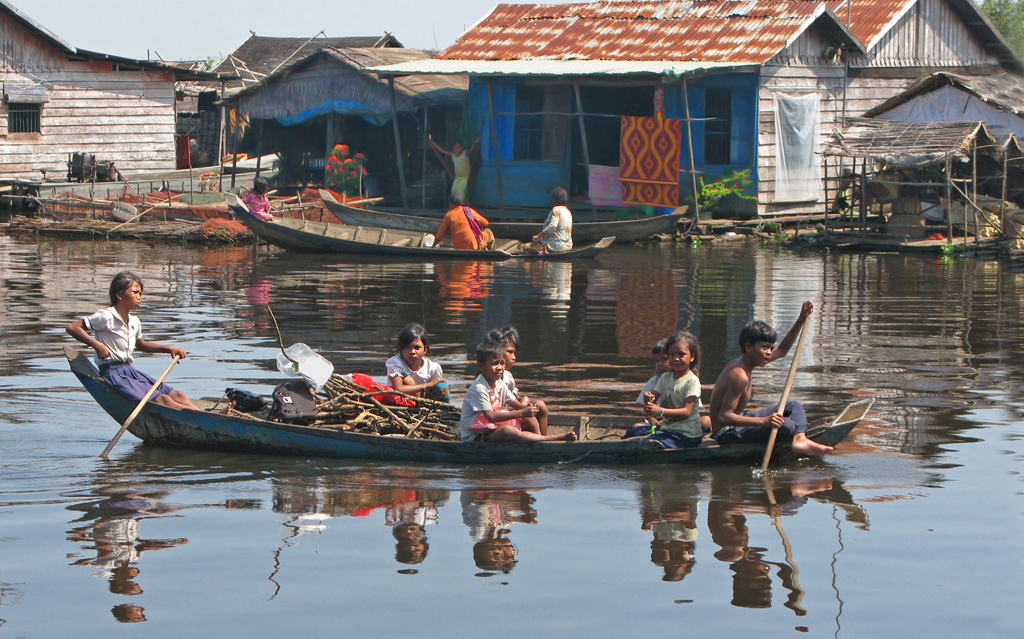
(117, 334)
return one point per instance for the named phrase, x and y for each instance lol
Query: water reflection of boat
(582, 232)
(324, 237)
(203, 429)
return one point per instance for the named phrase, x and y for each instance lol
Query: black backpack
(293, 403)
(245, 402)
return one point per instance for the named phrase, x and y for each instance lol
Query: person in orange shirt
(467, 227)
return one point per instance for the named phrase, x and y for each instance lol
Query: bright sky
(196, 29)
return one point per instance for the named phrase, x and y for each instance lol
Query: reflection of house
(327, 97)
(997, 100)
(542, 73)
(59, 100)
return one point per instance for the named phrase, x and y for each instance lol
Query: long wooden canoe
(325, 237)
(582, 232)
(199, 429)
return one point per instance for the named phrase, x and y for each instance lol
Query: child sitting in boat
(117, 334)
(411, 372)
(660, 368)
(491, 413)
(257, 200)
(508, 338)
(734, 424)
(675, 399)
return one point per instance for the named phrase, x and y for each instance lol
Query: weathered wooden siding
(92, 107)
(23, 50)
(930, 37)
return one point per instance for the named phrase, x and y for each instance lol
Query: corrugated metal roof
(730, 31)
(553, 67)
(686, 30)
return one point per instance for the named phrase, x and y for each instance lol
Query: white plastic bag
(307, 364)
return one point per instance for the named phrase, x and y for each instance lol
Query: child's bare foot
(804, 446)
(224, 411)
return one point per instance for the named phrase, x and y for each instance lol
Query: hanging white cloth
(797, 157)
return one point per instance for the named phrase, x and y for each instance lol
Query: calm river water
(912, 529)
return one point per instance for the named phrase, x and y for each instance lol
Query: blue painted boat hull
(197, 429)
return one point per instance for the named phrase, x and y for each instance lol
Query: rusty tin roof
(728, 31)
(751, 31)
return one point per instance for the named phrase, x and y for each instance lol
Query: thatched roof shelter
(910, 144)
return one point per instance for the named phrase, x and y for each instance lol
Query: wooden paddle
(785, 395)
(138, 409)
(787, 547)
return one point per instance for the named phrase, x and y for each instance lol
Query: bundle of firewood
(173, 231)
(352, 408)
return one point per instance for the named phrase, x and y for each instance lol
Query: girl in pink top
(257, 201)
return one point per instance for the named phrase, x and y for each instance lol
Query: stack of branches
(173, 231)
(352, 408)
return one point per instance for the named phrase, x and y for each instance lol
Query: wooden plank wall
(929, 38)
(121, 115)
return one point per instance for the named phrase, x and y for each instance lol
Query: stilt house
(752, 85)
(58, 100)
(328, 97)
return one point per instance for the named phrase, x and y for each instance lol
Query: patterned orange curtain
(237, 124)
(649, 154)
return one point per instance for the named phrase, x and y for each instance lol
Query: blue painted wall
(743, 151)
(524, 183)
(529, 183)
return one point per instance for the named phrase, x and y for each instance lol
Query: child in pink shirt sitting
(257, 201)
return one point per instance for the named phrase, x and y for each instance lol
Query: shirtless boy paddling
(729, 419)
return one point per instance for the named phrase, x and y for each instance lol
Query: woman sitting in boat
(556, 236)
(467, 227)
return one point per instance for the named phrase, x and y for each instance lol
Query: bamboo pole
(949, 203)
(689, 146)
(583, 145)
(423, 163)
(398, 143)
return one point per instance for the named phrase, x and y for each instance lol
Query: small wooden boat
(325, 237)
(582, 232)
(201, 429)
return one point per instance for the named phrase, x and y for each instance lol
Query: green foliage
(695, 241)
(713, 193)
(953, 249)
(1008, 17)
